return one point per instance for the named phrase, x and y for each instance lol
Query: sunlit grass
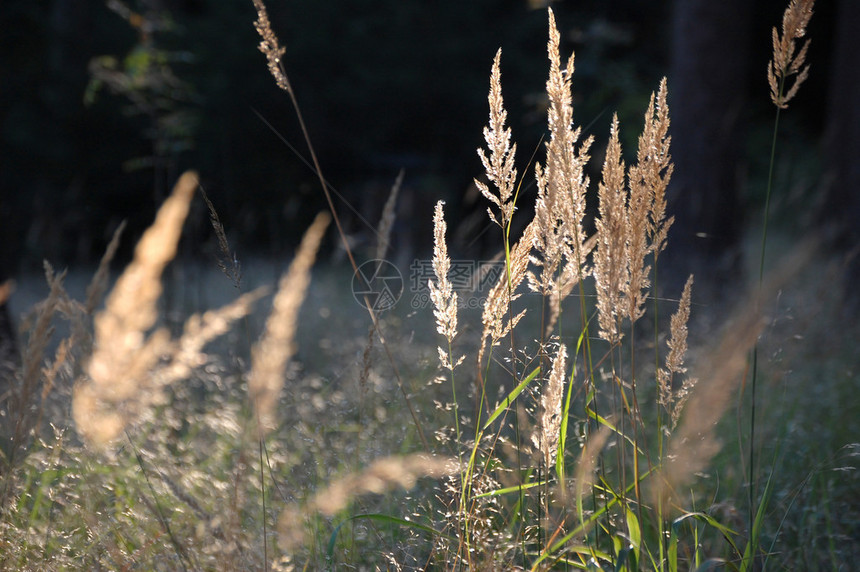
(571, 435)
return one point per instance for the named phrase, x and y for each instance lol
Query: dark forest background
(104, 104)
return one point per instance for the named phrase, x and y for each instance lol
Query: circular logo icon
(377, 285)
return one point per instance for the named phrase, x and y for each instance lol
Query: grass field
(554, 415)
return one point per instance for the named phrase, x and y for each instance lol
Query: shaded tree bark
(707, 90)
(840, 218)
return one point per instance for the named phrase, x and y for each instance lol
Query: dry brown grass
(786, 61)
(131, 362)
(277, 345)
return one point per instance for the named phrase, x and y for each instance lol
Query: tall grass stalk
(786, 62)
(271, 48)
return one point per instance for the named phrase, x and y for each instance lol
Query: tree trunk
(707, 91)
(840, 219)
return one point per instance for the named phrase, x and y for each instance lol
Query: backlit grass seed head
(786, 60)
(673, 400)
(565, 164)
(22, 408)
(550, 243)
(499, 165)
(270, 46)
(386, 221)
(546, 436)
(646, 227)
(610, 271)
(227, 260)
(502, 294)
(123, 354)
(41, 332)
(379, 477)
(655, 165)
(276, 346)
(187, 353)
(382, 475)
(560, 242)
(441, 291)
(636, 241)
(678, 331)
(560, 245)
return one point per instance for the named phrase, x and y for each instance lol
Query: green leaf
(635, 533)
(752, 544)
(509, 490)
(503, 406)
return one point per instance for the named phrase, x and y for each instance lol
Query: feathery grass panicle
(496, 326)
(270, 46)
(584, 475)
(187, 353)
(656, 168)
(786, 62)
(123, 356)
(380, 476)
(23, 406)
(386, 221)
(560, 241)
(610, 271)
(50, 373)
(693, 444)
(673, 401)
(646, 208)
(550, 242)
(566, 281)
(499, 166)
(40, 335)
(276, 346)
(636, 241)
(441, 291)
(383, 474)
(567, 184)
(546, 435)
(678, 331)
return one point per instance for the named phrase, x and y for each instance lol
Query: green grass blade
(509, 490)
(755, 533)
(586, 524)
(562, 433)
(635, 533)
(503, 406)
